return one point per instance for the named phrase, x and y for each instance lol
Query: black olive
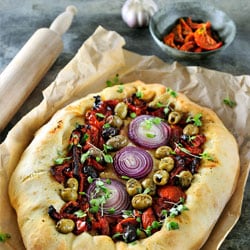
(109, 132)
(180, 162)
(185, 137)
(129, 234)
(194, 165)
(53, 213)
(98, 102)
(90, 171)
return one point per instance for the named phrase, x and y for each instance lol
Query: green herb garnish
(84, 156)
(114, 81)
(127, 214)
(172, 92)
(172, 225)
(147, 124)
(139, 94)
(4, 237)
(100, 115)
(61, 160)
(133, 115)
(108, 158)
(195, 119)
(203, 155)
(229, 102)
(99, 197)
(120, 88)
(80, 214)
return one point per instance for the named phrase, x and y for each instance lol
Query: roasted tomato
(204, 40)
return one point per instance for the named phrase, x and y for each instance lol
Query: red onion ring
(154, 136)
(133, 162)
(118, 200)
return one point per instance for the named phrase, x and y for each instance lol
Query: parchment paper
(100, 58)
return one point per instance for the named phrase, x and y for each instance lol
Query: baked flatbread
(185, 202)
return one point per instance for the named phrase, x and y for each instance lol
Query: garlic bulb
(137, 13)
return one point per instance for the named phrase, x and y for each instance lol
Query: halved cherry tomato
(204, 40)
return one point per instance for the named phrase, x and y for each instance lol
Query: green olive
(68, 194)
(65, 226)
(133, 187)
(166, 163)
(150, 185)
(96, 153)
(174, 117)
(142, 201)
(117, 142)
(141, 234)
(185, 178)
(121, 110)
(190, 129)
(115, 121)
(163, 151)
(161, 177)
(72, 183)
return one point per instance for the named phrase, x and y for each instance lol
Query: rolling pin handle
(62, 22)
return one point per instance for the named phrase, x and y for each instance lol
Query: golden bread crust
(32, 188)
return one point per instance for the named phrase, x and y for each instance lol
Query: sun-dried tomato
(177, 30)
(160, 204)
(204, 40)
(188, 46)
(125, 222)
(190, 36)
(61, 172)
(92, 162)
(101, 224)
(193, 25)
(81, 226)
(148, 217)
(169, 40)
(186, 29)
(171, 193)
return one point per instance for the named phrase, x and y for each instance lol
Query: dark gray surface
(19, 20)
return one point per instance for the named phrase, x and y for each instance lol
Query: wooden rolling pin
(31, 63)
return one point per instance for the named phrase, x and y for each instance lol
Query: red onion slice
(133, 162)
(118, 199)
(149, 131)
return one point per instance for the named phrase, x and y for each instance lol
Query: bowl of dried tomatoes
(192, 30)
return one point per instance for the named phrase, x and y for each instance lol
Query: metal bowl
(164, 19)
